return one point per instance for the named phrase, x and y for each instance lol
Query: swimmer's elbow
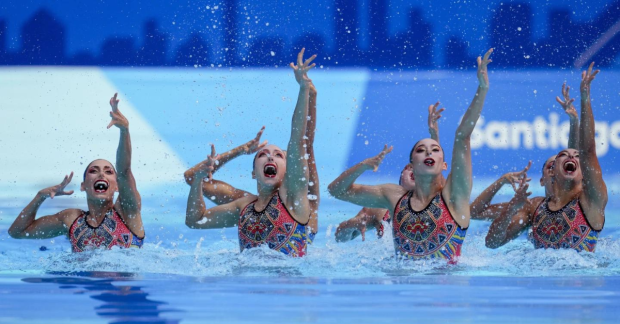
(15, 234)
(490, 243)
(335, 190)
(189, 177)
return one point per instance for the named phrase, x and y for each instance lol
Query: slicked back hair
(91, 162)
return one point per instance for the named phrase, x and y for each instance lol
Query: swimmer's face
(567, 166)
(100, 180)
(427, 158)
(407, 180)
(269, 166)
(547, 180)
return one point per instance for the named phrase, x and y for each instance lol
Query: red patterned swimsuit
(429, 233)
(273, 226)
(111, 232)
(567, 228)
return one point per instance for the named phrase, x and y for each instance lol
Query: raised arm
(198, 216)
(314, 192)
(514, 218)
(594, 195)
(567, 105)
(26, 226)
(482, 208)
(433, 117)
(220, 192)
(129, 202)
(251, 147)
(459, 182)
(295, 183)
(345, 188)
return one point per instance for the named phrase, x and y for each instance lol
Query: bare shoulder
(68, 216)
(392, 192)
(244, 201)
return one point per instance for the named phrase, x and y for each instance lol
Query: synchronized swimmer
(429, 214)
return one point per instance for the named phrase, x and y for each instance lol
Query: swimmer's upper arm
(220, 192)
(48, 226)
(377, 196)
(226, 215)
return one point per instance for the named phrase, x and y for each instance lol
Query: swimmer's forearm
(587, 142)
(26, 217)
(498, 231)
(468, 123)
(195, 204)
(573, 138)
(123, 153)
(483, 201)
(434, 134)
(341, 185)
(221, 160)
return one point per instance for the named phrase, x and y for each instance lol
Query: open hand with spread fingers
(118, 119)
(433, 116)
(521, 193)
(59, 189)
(255, 145)
(567, 103)
(205, 169)
(374, 162)
(302, 68)
(514, 178)
(483, 76)
(587, 77)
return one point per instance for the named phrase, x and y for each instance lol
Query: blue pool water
(184, 275)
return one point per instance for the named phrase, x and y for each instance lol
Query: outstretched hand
(433, 117)
(587, 77)
(521, 192)
(514, 178)
(375, 161)
(255, 145)
(302, 68)
(567, 103)
(206, 168)
(483, 76)
(118, 119)
(59, 189)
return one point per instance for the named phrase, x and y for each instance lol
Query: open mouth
(429, 162)
(101, 186)
(270, 170)
(412, 177)
(570, 167)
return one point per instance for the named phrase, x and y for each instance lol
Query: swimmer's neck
(427, 186)
(97, 209)
(265, 193)
(564, 192)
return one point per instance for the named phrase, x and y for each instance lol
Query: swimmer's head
(546, 180)
(567, 166)
(269, 166)
(427, 157)
(407, 180)
(100, 180)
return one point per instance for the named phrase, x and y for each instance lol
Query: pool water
(184, 275)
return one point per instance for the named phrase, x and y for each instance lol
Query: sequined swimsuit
(273, 226)
(427, 234)
(381, 229)
(567, 228)
(111, 232)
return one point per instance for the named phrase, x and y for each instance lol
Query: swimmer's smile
(270, 170)
(429, 162)
(570, 166)
(101, 186)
